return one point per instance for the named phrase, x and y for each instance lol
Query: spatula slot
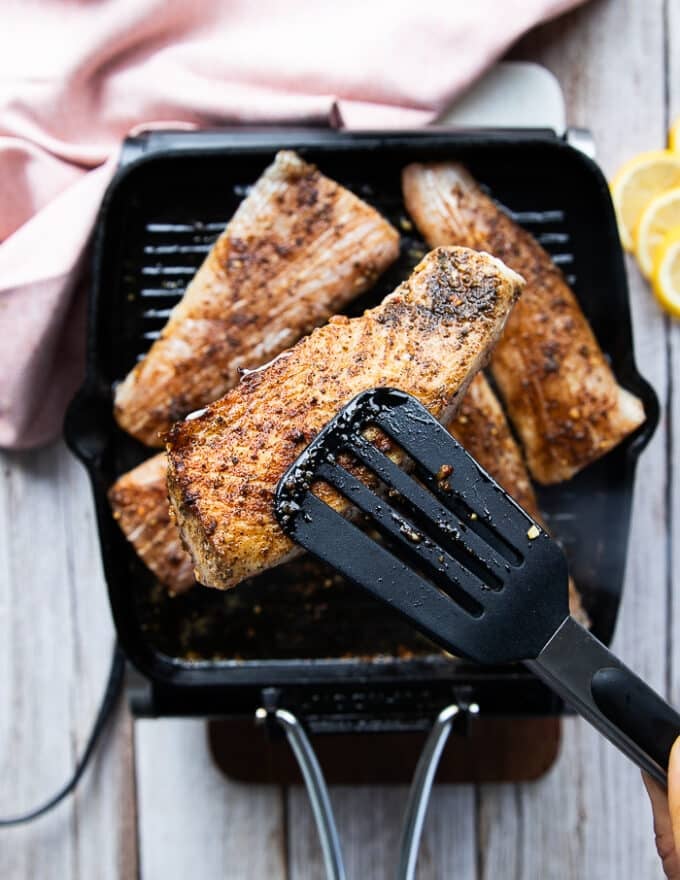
(396, 519)
(381, 563)
(417, 556)
(484, 530)
(455, 525)
(444, 583)
(445, 467)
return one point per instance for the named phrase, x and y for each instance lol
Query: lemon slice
(660, 216)
(637, 183)
(666, 275)
(674, 136)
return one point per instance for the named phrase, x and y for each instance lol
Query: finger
(674, 792)
(663, 830)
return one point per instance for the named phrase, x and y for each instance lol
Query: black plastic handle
(637, 710)
(604, 691)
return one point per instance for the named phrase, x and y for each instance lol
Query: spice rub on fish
(139, 500)
(560, 392)
(427, 338)
(298, 248)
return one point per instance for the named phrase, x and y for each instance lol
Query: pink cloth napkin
(77, 75)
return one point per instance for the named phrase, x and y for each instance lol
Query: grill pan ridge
(173, 194)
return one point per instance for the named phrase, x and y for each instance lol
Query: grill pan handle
(423, 780)
(316, 789)
(315, 783)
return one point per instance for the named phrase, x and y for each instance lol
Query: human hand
(666, 811)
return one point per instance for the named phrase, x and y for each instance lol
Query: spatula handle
(604, 691)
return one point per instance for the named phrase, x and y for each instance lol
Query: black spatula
(462, 561)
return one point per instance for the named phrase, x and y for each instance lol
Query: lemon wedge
(666, 274)
(660, 216)
(674, 136)
(637, 183)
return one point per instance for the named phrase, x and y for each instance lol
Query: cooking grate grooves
(168, 253)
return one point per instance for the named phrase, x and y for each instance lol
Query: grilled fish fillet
(428, 338)
(560, 393)
(298, 248)
(481, 427)
(139, 500)
(140, 504)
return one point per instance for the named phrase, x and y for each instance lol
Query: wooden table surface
(153, 805)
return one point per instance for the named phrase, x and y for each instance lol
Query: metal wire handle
(316, 789)
(418, 799)
(421, 787)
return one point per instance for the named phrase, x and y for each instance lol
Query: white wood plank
(54, 652)
(192, 820)
(448, 847)
(673, 81)
(369, 822)
(589, 817)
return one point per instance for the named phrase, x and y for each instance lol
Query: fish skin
(298, 249)
(429, 337)
(559, 391)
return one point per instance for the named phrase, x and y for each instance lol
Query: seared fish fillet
(481, 427)
(560, 393)
(139, 500)
(298, 248)
(140, 504)
(428, 338)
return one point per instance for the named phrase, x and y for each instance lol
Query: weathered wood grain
(369, 820)
(192, 820)
(673, 435)
(54, 653)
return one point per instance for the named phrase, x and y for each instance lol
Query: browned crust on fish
(428, 338)
(559, 391)
(299, 247)
(139, 500)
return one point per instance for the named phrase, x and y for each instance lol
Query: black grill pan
(336, 656)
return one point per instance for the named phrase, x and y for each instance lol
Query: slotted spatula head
(455, 554)
(461, 560)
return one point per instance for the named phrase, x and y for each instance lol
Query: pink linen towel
(76, 76)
